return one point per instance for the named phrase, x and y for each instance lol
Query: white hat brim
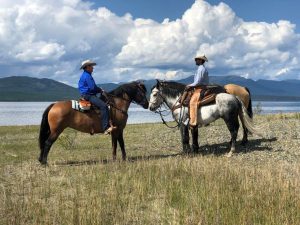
(88, 64)
(201, 57)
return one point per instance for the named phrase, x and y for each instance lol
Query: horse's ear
(140, 81)
(157, 83)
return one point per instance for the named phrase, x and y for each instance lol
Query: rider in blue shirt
(89, 90)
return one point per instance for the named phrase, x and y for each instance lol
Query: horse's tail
(249, 109)
(44, 128)
(246, 120)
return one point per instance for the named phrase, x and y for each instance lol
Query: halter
(172, 109)
(128, 100)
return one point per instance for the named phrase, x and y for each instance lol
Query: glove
(187, 88)
(100, 90)
(104, 94)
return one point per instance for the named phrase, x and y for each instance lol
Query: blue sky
(252, 10)
(134, 39)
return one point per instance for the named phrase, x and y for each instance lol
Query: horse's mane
(171, 88)
(128, 88)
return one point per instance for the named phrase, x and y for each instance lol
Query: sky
(134, 39)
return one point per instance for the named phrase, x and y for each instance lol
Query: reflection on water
(30, 113)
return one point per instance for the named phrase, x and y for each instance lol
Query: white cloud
(254, 48)
(282, 71)
(46, 38)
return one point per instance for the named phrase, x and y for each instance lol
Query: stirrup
(109, 130)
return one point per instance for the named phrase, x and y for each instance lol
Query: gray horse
(226, 106)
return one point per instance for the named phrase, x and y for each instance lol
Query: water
(30, 113)
(277, 107)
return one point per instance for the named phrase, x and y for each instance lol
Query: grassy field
(157, 185)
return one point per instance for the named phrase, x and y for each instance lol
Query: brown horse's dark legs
(44, 152)
(184, 132)
(122, 145)
(114, 142)
(195, 146)
(48, 143)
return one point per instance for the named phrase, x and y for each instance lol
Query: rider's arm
(201, 77)
(197, 78)
(92, 85)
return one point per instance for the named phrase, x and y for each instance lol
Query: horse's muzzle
(146, 105)
(152, 107)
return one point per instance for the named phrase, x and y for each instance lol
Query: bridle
(160, 111)
(127, 100)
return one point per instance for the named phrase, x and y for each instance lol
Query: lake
(30, 113)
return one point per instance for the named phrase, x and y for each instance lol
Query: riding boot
(111, 127)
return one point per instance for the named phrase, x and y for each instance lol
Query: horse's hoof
(228, 155)
(195, 150)
(43, 162)
(187, 150)
(243, 143)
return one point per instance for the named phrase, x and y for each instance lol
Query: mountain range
(22, 88)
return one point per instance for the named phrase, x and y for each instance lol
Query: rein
(128, 100)
(111, 103)
(172, 109)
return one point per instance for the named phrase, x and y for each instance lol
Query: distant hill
(286, 90)
(33, 89)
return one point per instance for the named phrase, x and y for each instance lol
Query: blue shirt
(87, 85)
(201, 77)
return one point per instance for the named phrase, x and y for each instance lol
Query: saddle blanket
(81, 106)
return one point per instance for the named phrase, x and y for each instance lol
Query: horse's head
(156, 98)
(165, 92)
(140, 96)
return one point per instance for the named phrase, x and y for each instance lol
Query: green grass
(157, 185)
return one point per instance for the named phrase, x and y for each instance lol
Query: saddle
(207, 94)
(201, 96)
(83, 105)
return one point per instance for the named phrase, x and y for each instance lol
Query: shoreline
(262, 114)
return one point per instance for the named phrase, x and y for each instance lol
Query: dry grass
(157, 185)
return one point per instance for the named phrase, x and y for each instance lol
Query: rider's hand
(187, 88)
(100, 90)
(104, 94)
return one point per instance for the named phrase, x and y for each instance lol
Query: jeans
(101, 106)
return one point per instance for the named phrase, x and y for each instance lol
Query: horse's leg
(195, 146)
(184, 132)
(114, 143)
(233, 126)
(245, 135)
(48, 143)
(122, 145)
(245, 130)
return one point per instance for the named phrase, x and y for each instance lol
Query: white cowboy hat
(202, 57)
(87, 62)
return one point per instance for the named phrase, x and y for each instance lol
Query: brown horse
(243, 93)
(60, 115)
